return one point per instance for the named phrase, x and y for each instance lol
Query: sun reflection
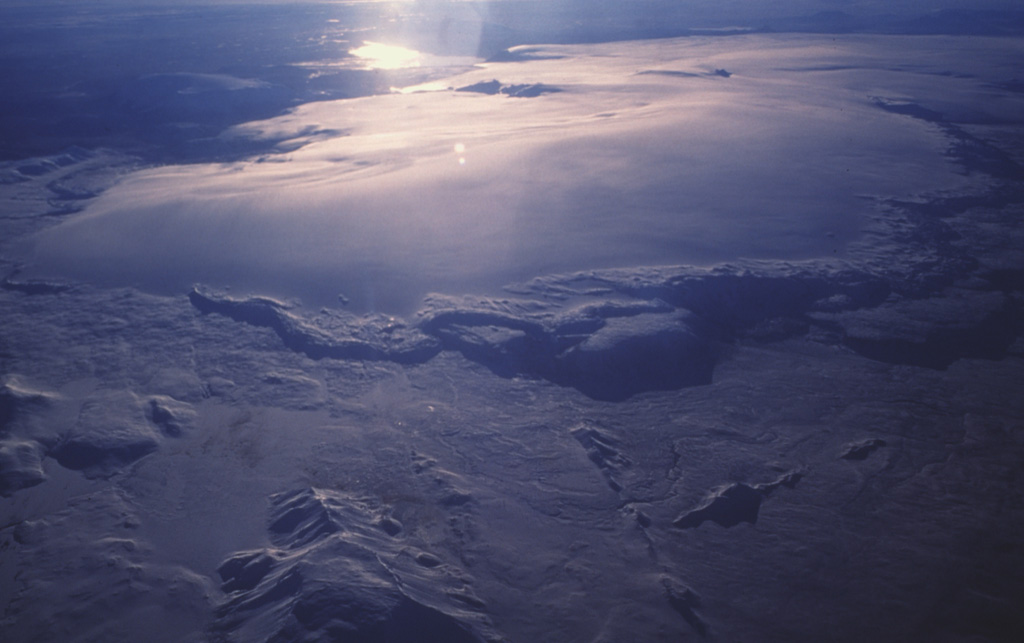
(380, 56)
(432, 86)
(460, 150)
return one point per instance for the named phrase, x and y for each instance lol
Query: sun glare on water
(380, 56)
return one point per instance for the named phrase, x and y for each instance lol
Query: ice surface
(115, 429)
(339, 573)
(861, 450)
(22, 438)
(388, 340)
(618, 169)
(816, 442)
(104, 569)
(735, 503)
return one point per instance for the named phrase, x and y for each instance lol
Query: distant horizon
(870, 7)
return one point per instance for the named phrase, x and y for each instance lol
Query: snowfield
(645, 156)
(708, 338)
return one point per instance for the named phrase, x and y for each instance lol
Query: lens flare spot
(460, 151)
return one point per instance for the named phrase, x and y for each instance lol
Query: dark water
(73, 73)
(83, 74)
(105, 76)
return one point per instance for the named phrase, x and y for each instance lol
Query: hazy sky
(754, 6)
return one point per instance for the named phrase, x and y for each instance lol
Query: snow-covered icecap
(647, 155)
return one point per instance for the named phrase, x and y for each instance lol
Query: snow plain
(646, 155)
(677, 353)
